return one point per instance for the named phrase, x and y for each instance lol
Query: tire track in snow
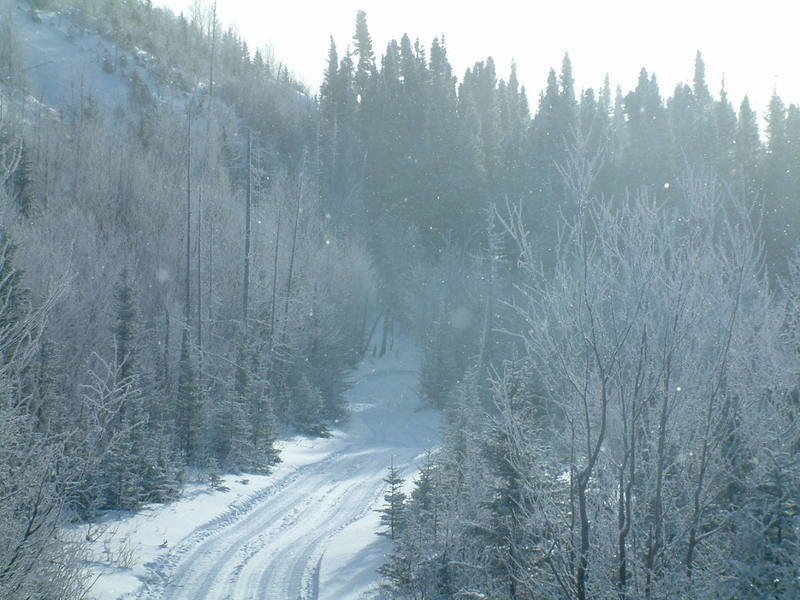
(272, 545)
(299, 574)
(161, 570)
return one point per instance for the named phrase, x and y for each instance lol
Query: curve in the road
(272, 547)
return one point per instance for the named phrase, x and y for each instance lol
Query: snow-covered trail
(275, 546)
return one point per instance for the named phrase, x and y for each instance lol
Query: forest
(605, 284)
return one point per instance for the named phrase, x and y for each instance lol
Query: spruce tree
(385, 145)
(392, 513)
(552, 128)
(693, 119)
(233, 445)
(777, 168)
(618, 139)
(793, 148)
(724, 136)
(484, 94)
(162, 475)
(188, 404)
(22, 185)
(748, 152)
(648, 158)
(340, 156)
(568, 100)
(510, 540)
(307, 410)
(125, 326)
(446, 160)
(699, 85)
(365, 68)
(327, 89)
(513, 121)
(255, 401)
(439, 368)
(329, 103)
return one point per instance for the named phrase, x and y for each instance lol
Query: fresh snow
(306, 531)
(64, 66)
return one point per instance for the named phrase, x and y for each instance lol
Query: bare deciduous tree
(657, 345)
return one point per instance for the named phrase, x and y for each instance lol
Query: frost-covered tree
(392, 516)
(37, 468)
(657, 345)
(307, 408)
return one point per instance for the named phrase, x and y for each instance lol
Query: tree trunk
(248, 204)
(291, 267)
(274, 281)
(188, 292)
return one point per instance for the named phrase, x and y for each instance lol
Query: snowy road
(273, 546)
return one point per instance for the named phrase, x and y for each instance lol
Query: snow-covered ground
(305, 531)
(64, 64)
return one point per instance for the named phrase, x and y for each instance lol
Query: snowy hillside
(64, 66)
(306, 531)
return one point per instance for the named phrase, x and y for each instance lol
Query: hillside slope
(64, 66)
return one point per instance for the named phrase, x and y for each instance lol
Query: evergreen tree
(548, 133)
(507, 534)
(327, 362)
(568, 104)
(694, 122)
(463, 429)
(365, 68)
(424, 494)
(392, 513)
(553, 127)
(122, 463)
(387, 144)
(484, 95)
(618, 141)
(233, 435)
(327, 90)
(441, 209)
(648, 156)
(189, 419)
(308, 409)
(439, 368)
(725, 136)
(125, 328)
(593, 121)
(162, 473)
(256, 397)
(22, 185)
(777, 169)
(748, 152)
(329, 103)
(793, 148)
(470, 164)
(699, 86)
(348, 159)
(514, 120)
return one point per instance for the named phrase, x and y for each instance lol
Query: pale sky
(753, 44)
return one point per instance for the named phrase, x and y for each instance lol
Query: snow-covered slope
(306, 531)
(64, 66)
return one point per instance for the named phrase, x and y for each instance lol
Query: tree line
(418, 163)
